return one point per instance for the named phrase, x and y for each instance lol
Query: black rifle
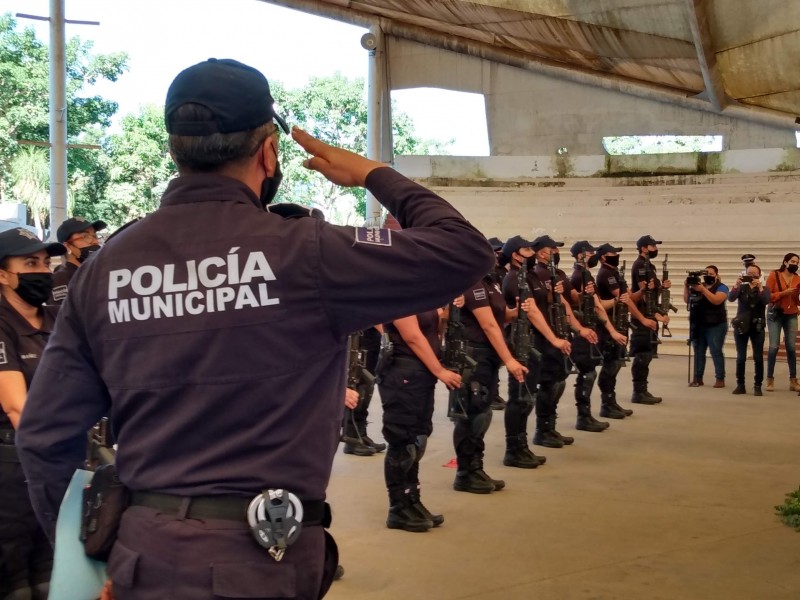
(620, 316)
(586, 305)
(521, 333)
(650, 301)
(558, 314)
(358, 377)
(666, 298)
(457, 359)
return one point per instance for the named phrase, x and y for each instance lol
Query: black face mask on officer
(34, 288)
(612, 260)
(592, 261)
(270, 185)
(556, 258)
(87, 252)
(652, 253)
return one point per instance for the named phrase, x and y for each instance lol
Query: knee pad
(589, 378)
(559, 388)
(479, 424)
(479, 396)
(422, 445)
(401, 456)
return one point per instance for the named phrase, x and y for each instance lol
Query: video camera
(694, 277)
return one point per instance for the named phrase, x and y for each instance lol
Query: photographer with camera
(784, 287)
(708, 319)
(748, 325)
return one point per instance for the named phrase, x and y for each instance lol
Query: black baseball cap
(607, 249)
(495, 243)
(513, 245)
(581, 246)
(647, 240)
(748, 258)
(237, 95)
(75, 225)
(21, 242)
(545, 241)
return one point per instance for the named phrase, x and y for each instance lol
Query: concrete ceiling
(741, 54)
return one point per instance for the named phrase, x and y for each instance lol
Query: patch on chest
(479, 294)
(3, 356)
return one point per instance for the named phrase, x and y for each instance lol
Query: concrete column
(58, 117)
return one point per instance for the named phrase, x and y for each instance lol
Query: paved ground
(673, 503)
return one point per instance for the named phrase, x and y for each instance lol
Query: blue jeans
(787, 323)
(756, 340)
(711, 338)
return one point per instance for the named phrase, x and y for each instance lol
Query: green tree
(334, 110)
(30, 171)
(24, 100)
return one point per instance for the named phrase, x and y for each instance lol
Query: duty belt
(228, 507)
(8, 451)
(408, 362)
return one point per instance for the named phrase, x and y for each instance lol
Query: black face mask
(270, 185)
(652, 253)
(792, 269)
(34, 288)
(87, 252)
(592, 262)
(709, 279)
(556, 259)
(612, 260)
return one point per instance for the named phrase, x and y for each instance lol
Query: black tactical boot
(498, 484)
(627, 411)
(416, 502)
(517, 454)
(757, 390)
(609, 407)
(739, 389)
(403, 515)
(589, 423)
(472, 482)
(567, 440)
(545, 435)
(358, 447)
(524, 440)
(641, 395)
(378, 447)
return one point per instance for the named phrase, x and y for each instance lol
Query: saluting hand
(339, 166)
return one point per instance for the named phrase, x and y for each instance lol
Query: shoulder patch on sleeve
(479, 294)
(59, 293)
(3, 357)
(612, 279)
(374, 236)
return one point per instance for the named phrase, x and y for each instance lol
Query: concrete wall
(686, 206)
(533, 114)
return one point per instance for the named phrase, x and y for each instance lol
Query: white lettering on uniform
(212, 284)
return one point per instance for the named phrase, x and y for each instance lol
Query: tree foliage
(125, 179)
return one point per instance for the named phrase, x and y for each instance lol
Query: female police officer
(25, 283)
(485, 314)
(406, 385)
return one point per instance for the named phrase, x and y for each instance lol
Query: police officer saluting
(644, 335)
(25, 325)
(220, 350)
(79, 237)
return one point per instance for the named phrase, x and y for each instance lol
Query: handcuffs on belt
(275, 518)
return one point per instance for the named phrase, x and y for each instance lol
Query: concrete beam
(697, 13)
(363, 15)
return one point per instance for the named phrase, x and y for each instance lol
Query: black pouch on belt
(104, 501)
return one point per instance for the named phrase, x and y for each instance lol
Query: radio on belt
(275, 518)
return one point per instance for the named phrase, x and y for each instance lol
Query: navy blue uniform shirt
(214, 333)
